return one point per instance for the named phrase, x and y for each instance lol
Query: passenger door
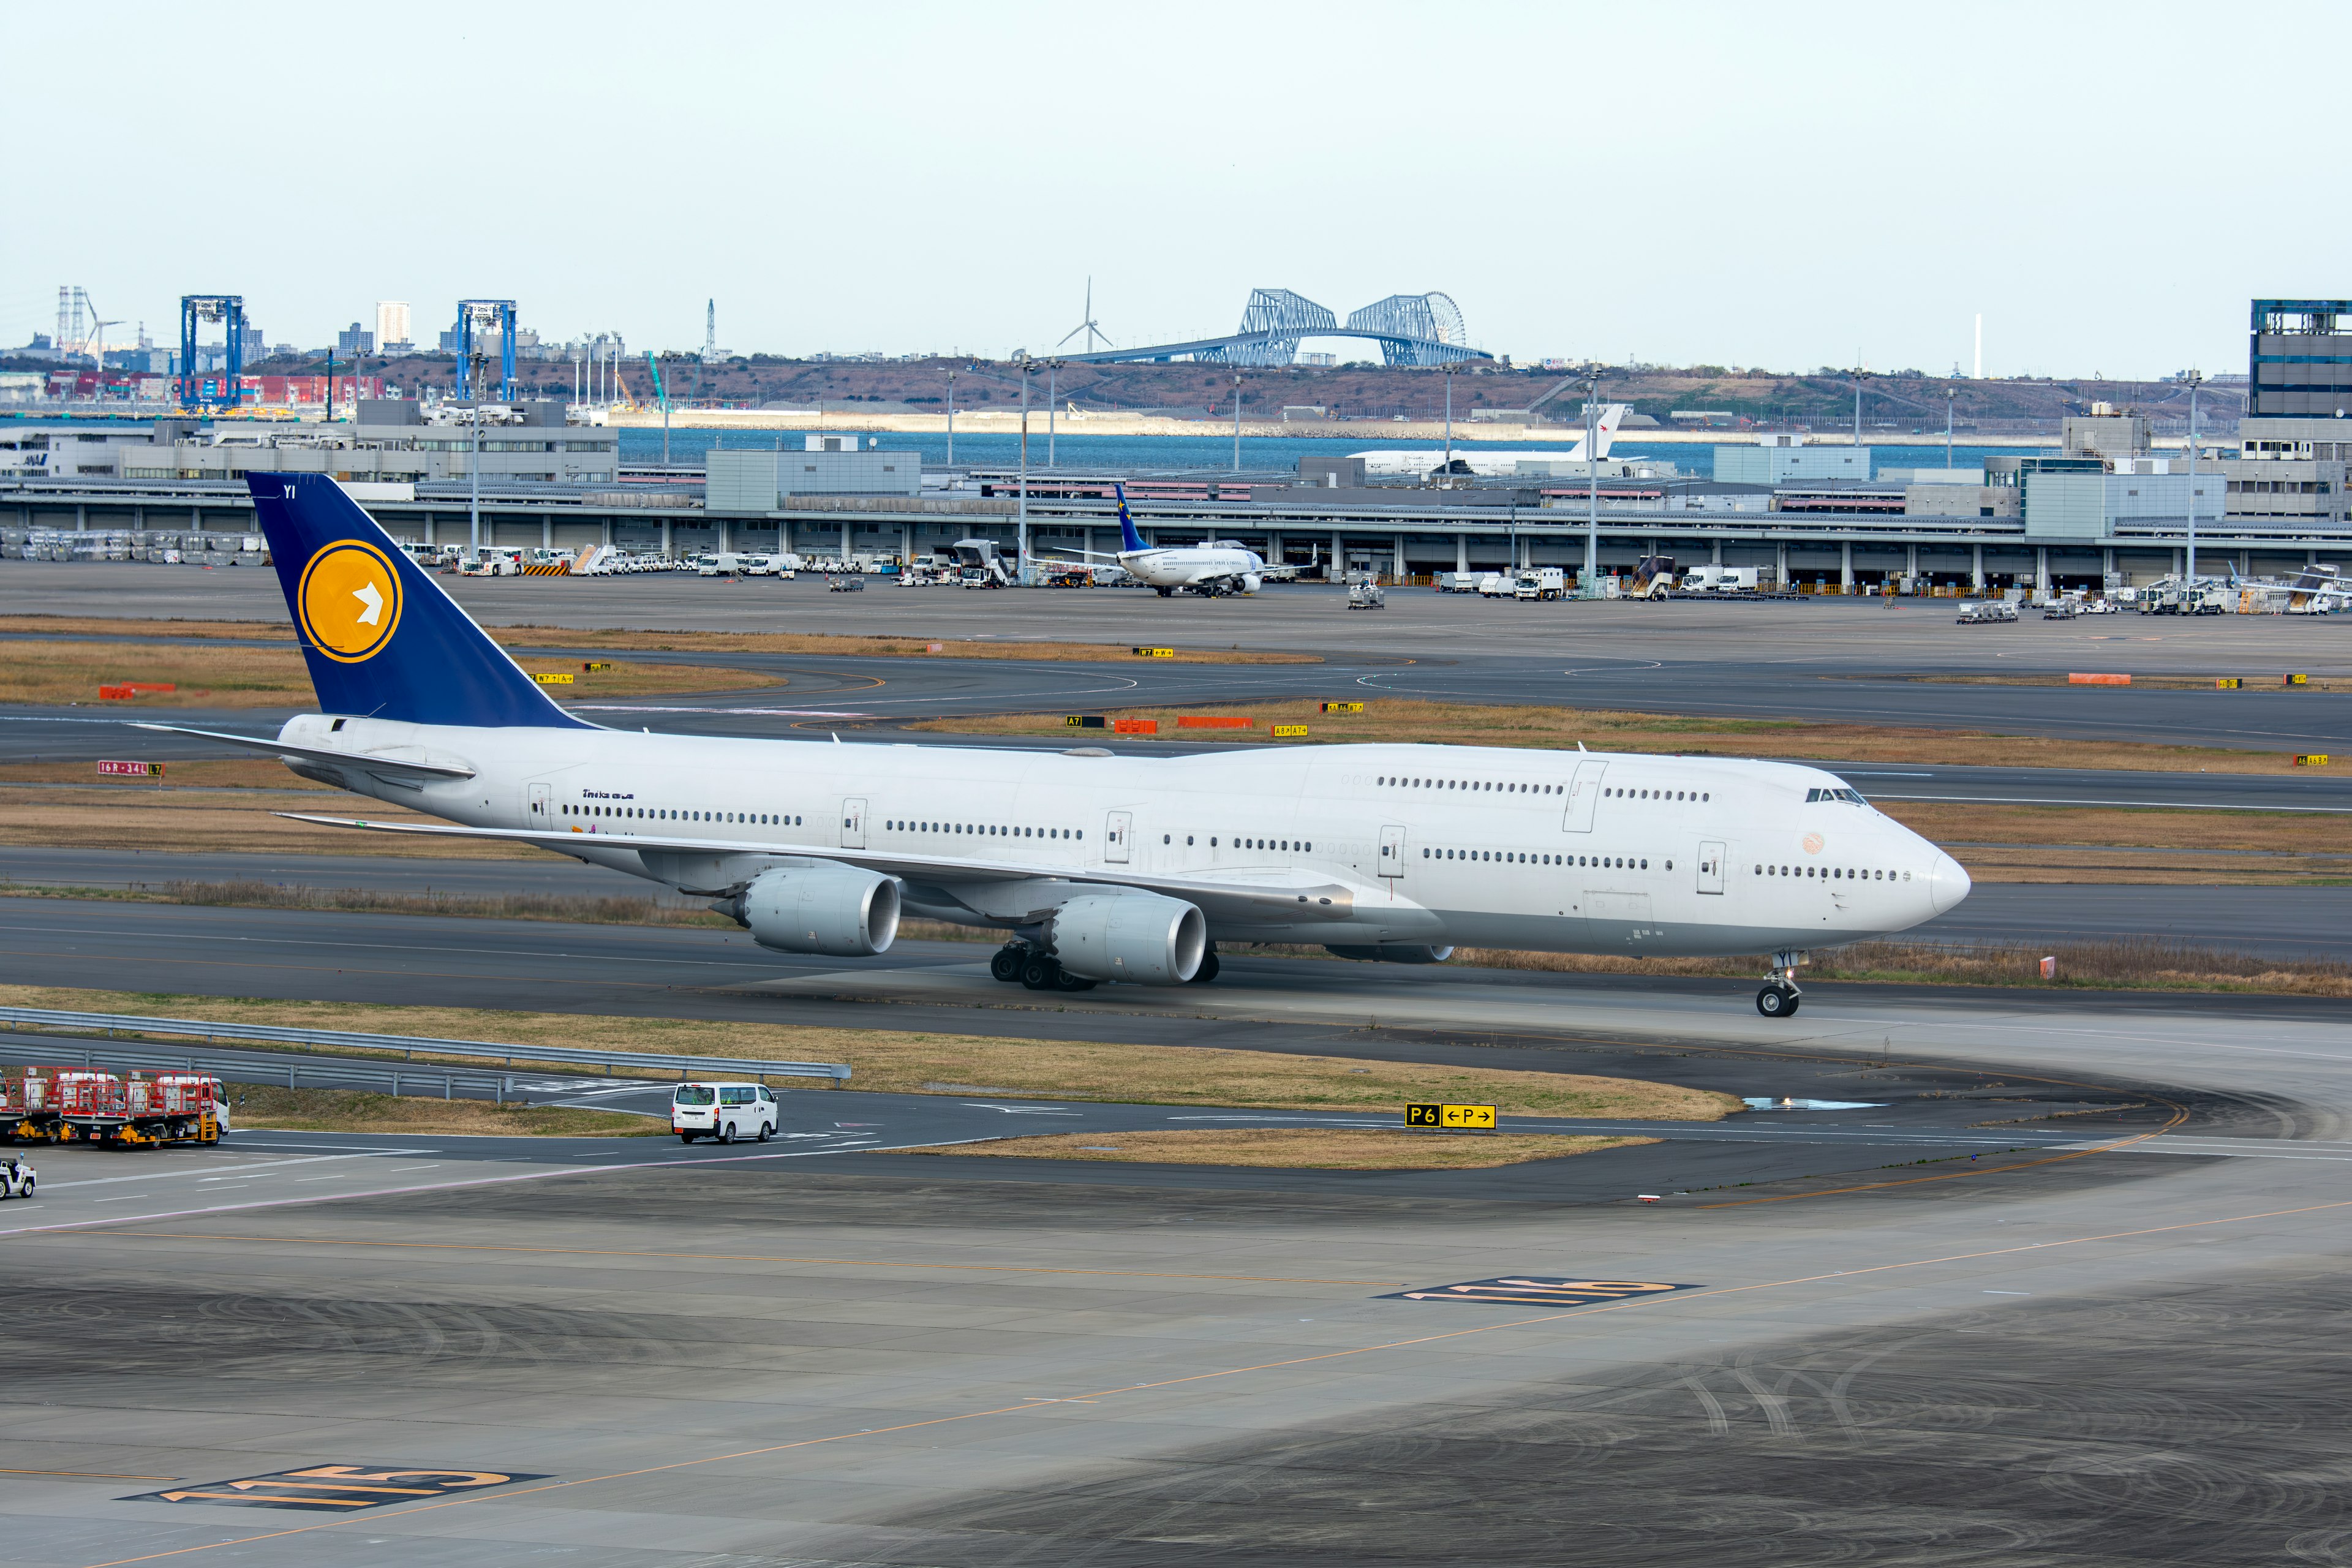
(539, 808)
(1391, 851)
(1583, 791)
(1710, 866)
(1118, 828)
(853, 824)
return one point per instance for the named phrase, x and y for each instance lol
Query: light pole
(1591, 581)
(1950, 393)
(1446, 473)
(1237, 422)
(1052, 406)
(474, 503)
(1859, 373)
(951, 375)
(2196, 379)
(1021, 548)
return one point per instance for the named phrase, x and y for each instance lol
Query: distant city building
(353, 341)
(2103, 433)
(1319, 361)
(391, 325)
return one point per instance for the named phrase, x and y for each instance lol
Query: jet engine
(1251, 581)
(821, 907)
(1130, 936)
(1393, 952)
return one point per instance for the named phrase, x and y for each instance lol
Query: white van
(723, 1112)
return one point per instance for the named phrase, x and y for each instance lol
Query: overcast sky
(1785, 186)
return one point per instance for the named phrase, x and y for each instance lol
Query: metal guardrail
(408, 1045)
(301, 1071)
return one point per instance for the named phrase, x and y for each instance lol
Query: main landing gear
(1208, 970)
(1780, 997)
(1035, 971)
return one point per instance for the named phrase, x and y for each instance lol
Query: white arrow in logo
(367, 594)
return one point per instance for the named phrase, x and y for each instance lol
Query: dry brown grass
(645, 641)
(2000, 843)
(1560, 729)
(349, 1111)
(72, 672)
(907, 1062)
(2138, 964)
(1295, 1148)
(226, 822)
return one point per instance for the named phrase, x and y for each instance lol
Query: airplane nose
(1948, 884)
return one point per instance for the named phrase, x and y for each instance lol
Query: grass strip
(1294, 1148)
(258, 1106)
(909, 1062)
(530, 634)
(226, 677)
(1402, 720)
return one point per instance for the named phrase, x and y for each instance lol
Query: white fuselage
(1559, 851)
(1190, 565)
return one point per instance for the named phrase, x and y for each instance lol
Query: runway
(2289, 921)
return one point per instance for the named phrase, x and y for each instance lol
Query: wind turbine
(1092, 329)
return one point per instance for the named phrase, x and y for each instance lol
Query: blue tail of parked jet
(382, 638)
(1128, 538)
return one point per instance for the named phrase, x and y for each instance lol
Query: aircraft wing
(404, 767)
(1272, 895)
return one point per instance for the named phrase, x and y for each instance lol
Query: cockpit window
(1853, 798)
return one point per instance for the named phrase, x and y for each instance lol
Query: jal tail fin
(382, 640)
(1128, 538)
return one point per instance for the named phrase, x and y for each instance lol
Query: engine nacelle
(1251, 581)
(1393, 952)
(1130, 936)
(820, 908)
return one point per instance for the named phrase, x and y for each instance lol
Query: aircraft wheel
(1006, 965)
(1777, 1002)
(1208, 970)
(1040, 972)
(1066, 981)
(1166, 593)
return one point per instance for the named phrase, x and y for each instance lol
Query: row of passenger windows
(1619, 862)
(1509, 788)
(1294, 846)
(985, 829)
(1833, 873)
(769, 819)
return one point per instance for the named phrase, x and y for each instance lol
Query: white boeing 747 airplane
(1096, 867)
(1476, 457)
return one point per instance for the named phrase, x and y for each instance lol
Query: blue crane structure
(1412, 330)
(496, 315)
(194, 389)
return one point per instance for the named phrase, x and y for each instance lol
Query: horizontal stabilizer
(361, 760)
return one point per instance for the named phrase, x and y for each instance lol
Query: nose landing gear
(1780, 998)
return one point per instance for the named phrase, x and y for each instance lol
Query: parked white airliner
(1098, 867)
(1219, 566)
(1478, 458)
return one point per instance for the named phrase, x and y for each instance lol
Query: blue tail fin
(1128, 538)
(382, 638)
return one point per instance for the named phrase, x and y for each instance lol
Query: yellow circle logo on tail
(349, 601)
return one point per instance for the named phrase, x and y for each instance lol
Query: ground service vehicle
(1539, 583)
(1654, 577)
(723, 1112)
(1494, 585)
(1366, 596)
(1116, 866)
(1984, 612)
(17, 1178)
(1457, 582)
(1711, 578)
